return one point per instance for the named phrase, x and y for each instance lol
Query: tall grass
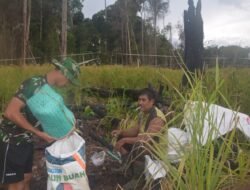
(125, 76)
(206, 166)
(201, 167)
(11, 78)
(235, 87)
(101, 76)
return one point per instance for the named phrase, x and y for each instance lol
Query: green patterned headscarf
(70, 69)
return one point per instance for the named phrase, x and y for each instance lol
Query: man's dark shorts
(15, 161)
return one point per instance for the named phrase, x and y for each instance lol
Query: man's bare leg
(27, 180)
(16, 186)
(21, 185)
(3, 187)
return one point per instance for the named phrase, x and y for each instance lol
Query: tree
(11, 29)
(129, 10)
(25, 5)
(45, 29)
(75, 6)
(181, 34)
(193, 30)
(118, 29)
(75, 9)
(157, 8)
(167, 30)
(142, 30)
(120, 26)
(199, 47)
(26, 27)
(64, 28)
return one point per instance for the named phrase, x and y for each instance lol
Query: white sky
(226, 22)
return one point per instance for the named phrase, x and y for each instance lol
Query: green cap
(69, 68)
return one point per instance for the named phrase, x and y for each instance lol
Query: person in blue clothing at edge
(18, 126)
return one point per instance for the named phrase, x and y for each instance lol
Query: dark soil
(100, 177)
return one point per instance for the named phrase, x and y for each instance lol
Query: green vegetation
(201, 167)
(106, 32)
(12, 76)
(219, 164)
(126, 33)
(235, 83)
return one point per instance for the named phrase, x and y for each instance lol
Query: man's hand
(45, 137)
(116, 133)
(119, 144)
(13, 113)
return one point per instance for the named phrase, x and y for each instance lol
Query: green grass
(205, 166)
(235, 82)
(11, 78)
(200, 168)
(126, 77)
(103, 76)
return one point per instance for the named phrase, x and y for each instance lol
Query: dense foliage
(116, 29)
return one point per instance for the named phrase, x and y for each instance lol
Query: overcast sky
(226, 22)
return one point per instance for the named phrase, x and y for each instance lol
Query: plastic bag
(216, 120)
(98, 158)
(178, 140)
(153, 169)
(66, 165)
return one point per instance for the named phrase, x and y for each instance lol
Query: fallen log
(129, 93)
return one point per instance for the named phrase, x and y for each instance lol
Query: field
(234, 82)
(213, 166)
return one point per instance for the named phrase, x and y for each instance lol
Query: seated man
(151, 121)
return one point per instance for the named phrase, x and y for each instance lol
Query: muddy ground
(100, 177)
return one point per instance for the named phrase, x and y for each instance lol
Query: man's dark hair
(149, 92)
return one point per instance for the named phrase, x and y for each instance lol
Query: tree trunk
(128, 32)
(142, 33)
(155, 45)
(123, 46)
(170, 34)
(28, 20)
(106, 40)
(24, 30)
(129, 43)
(26, 27)
(64, 28)
(41, 20)
(193, 30)
(136, 46)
